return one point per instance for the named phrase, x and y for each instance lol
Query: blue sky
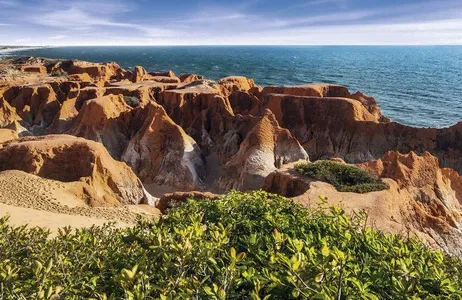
(249, 22)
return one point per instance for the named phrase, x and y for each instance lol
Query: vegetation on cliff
(243, 245)
(345, 178)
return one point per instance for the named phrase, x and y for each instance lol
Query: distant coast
(7, 49)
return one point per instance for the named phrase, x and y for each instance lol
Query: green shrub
(242, 246)
(58, 74)
(132, 101)
(346, 178)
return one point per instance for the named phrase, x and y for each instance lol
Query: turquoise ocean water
(418, 86)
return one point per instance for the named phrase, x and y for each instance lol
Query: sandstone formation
(422, 200)
(8, 115)
(7, 135)
(230, 84)
(32, 201)
(346, 128)
(265, 148)
(98, 120)
(66, 158)
(138, 74)
(161, 152)
(98, 73)
(421, 176)
(187, 133)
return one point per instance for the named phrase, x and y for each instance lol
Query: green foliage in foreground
(245, 245)
(345, 178)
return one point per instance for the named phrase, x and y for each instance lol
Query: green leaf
(325, 250)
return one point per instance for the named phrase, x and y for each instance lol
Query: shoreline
(8, 49)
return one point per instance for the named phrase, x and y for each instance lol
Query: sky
(230, 22)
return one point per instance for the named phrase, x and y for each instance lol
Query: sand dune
(33, 200)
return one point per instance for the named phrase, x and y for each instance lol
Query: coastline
(5, 50)
(229, 134)
(399, 91)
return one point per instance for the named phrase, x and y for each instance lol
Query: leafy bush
(244, 245)
(346, 178)
(58, 74)
(132, 101)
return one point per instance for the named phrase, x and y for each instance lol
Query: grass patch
(345, 178)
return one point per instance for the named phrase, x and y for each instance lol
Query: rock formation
(161, 152)
(265, 148)
(423, 199)
(138, 74)
(346, 128)
(70, 159)
(8, 115)
(190, 133)
(98, 73)
(7, 135)
(98, 120)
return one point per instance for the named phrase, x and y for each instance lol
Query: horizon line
(229, 45)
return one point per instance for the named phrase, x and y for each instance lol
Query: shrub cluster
(345, 178)
(59, 74)
(242, 246)
(132, 101)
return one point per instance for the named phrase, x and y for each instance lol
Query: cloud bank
(251, 22)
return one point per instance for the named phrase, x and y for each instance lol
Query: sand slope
(33, 200)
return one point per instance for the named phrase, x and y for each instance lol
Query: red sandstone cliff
(188, 132)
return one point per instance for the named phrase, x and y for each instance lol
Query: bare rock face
(163, 74)
(8, 114)
(186, 102)
(266, 147)
(370, 104)
(346, 128)
(435, 200)
(70, 159)
(188, 78)
(34, 69)
(145, 91)
(434, 193)
(309, 90)
(422, 199)
(191, 133)
(456, 182)
(244, 103)
(35, 104)
(98, 73)
(286, 181)
(161, 152)
(230, 84)
(7, 135)
(200, 110)
(327, 91)
(99, 120)
(138, 74)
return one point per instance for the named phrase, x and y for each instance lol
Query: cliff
(183, 133)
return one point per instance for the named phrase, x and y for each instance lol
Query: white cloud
(319, 2)
(58, 37)
(74, 18)
(8, 3)
(98, 22)
(82, 17)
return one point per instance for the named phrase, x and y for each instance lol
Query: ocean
(418, 86)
